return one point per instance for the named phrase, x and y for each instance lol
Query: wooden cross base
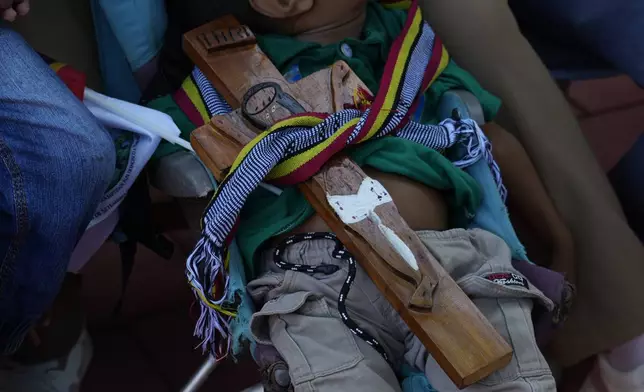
(450, 326)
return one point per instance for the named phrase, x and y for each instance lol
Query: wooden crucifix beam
(446, 321)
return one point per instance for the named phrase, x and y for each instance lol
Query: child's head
(323, 21)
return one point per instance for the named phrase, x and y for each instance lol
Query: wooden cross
(450, 326)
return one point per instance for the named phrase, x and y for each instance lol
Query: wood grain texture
(454, 331)
(216, 149)
(222, 68)
(219, 142)
(460, 338)
(234, 125)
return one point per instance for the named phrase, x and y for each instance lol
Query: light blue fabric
(415, 381)
(139, 27)
(492, 214)
(240, 326)
(118, 80)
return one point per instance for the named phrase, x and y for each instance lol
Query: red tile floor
(149, 346)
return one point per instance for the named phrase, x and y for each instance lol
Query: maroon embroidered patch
(508, 279)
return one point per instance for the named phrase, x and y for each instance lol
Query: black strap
(340, 252)
(137, 225)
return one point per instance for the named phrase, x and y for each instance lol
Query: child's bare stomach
(423, 208)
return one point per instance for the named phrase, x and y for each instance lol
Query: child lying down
(300, 313)
(318, 309)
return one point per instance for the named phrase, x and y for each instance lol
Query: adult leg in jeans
(55, 163)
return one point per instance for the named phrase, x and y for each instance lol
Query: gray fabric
(470, 256)
(300, 318)
(181, 175)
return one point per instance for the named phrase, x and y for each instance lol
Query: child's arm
(527, 195)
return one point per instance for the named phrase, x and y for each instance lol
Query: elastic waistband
(311, 252)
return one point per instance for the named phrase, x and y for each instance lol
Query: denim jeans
(55, 163)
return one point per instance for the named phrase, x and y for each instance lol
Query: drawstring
(339, 252)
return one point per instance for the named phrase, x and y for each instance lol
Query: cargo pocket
(308, 334)
(511, 317)
(506, 299)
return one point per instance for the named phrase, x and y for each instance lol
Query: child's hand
(11, 9)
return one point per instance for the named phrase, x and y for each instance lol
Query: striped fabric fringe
(296, 148)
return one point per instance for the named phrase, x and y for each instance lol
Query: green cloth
(266, 215)
(369, 55)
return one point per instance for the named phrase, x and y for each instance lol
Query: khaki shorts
(300, 317)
